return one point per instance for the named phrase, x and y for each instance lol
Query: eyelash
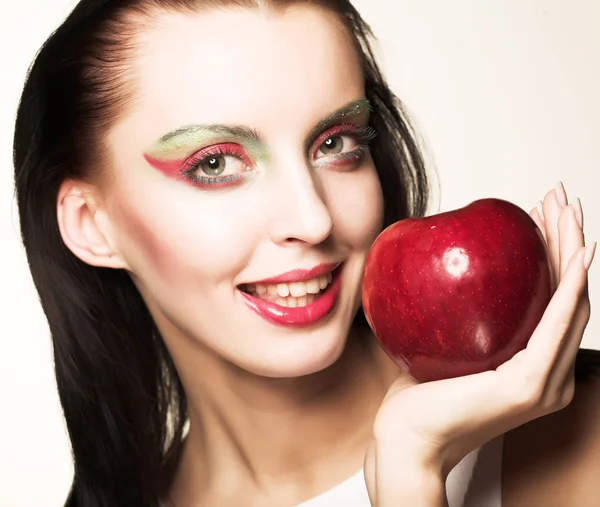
(220, 150)
(362, 134)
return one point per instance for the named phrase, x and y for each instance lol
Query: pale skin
(279, 415)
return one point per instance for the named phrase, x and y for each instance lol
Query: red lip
(303, 316)
(298, 275)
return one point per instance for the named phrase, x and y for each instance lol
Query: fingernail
(561, 195)
(578, 212)
(589, 255)
(540, 208)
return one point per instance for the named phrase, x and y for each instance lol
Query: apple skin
(457, 293)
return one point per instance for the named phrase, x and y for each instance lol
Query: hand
(424, 430)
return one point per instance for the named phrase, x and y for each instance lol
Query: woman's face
(242, 161)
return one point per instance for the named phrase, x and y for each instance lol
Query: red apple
(457, 293)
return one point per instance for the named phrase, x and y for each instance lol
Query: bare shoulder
(555, 461)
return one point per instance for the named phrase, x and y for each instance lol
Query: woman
(199, 183)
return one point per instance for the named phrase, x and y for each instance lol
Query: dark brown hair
(123, 402)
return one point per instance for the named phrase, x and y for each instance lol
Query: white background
(506, 94)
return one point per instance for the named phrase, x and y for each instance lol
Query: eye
(218, 165)
(337, 144)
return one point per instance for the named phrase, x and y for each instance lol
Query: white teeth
(324, 281)
(292, 302)
(261, 289)
(313, 286)
(292, 294)
(297, 289)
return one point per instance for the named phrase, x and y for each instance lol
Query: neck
(310, 431)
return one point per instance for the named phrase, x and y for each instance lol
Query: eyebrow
(354, 108)
(225, 130)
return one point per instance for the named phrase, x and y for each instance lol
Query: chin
(284, 349)
(301, 353)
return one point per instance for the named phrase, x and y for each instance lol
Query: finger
(561, 195)
(580, 321)
(570, 237)
(563, 370)
(578, 212)
(561, 387)
(547, 340)
(536, 216)
(551, 208)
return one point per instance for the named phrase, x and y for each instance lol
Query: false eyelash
(366, 133)
(363, 133)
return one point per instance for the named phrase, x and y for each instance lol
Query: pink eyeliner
(170, 168)
(176, 169)
(171, 154)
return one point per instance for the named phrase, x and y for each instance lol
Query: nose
(301, 214)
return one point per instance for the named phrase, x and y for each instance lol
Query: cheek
(180, 239)
(355, 201)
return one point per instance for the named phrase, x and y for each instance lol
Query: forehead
(236, 65)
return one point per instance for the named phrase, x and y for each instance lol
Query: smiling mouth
(293, 300)
(290, 295)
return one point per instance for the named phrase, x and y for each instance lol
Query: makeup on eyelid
(178, 142)
(362, 135)
(251, 149)
(176, 153)
(177, 170)
(181, 142)
(190, 169)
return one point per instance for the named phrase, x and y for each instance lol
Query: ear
(85, 228)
